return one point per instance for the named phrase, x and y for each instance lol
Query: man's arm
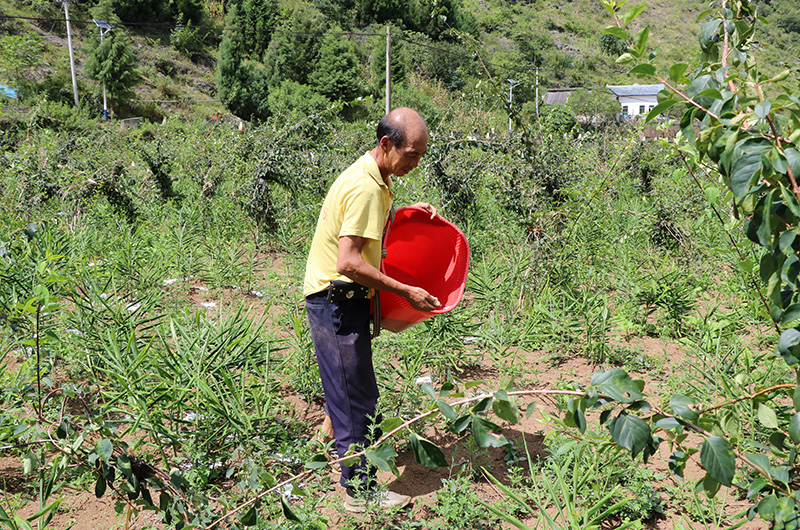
(350, 263)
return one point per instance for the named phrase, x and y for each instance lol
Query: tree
(594, 106)
(293, 53)
(382, 11)
(241, 80)
(234, 74)
(337, 73)
(157, 11)
(112, 63)
(449, 62)
(532, 45)
(341, 12)
(258, 20)
(139, 10)
(436, 17)
(292, 101)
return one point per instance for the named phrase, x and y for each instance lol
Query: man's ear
(384, 143)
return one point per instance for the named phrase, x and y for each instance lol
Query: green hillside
(560, 44)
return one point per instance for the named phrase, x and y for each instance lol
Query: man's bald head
(402, 140)
(399, 123)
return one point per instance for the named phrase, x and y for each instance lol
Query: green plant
(459, 507)
(111, 63)
(19, 55)
(670, 294)
(570, 486)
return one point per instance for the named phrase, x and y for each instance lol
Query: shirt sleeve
(362, 212)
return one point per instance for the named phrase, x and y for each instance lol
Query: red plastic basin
(424, 252)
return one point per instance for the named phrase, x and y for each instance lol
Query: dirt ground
(81, 510)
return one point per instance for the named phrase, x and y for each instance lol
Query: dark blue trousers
(343, 345)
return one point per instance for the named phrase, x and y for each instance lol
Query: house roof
(635, 90)
(559, 96)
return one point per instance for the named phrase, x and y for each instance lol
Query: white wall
(637, 105)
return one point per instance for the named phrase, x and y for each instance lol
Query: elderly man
(347, 247)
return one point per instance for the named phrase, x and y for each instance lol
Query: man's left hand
(427, 207)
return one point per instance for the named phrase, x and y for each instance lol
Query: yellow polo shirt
(357, 204)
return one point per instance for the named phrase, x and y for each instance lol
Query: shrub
(292, 101)
(612, 45)
(790, 22)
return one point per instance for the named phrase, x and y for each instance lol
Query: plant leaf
(427, 453)
(104, 449)
(767, 416)
(100, 487)
(447, 411)
(625, 58)
(709, 33)
(505, 407)
(762, 109)
(616, 384)
(794, 428)
(630, 432)
(482, 430)
(789, 346)
(318, 461)
(660, 108)
(793, 158)
(390, 424)
(288, 512)
(746, 167)
(617, 32)
(643, 69)
(676, 71)
(383, 457)
(250, 518)
(461, 423)
(628, 16)
(716, 457)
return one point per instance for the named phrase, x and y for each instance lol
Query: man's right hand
(422, 300)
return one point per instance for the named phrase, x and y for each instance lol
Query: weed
(458, 508)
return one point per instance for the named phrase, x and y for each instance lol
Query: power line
(239, 29)
(402, 36)
(190, 26)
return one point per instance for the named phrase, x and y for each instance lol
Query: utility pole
(388, 69)
(537, 93)
(71, 56)
(511, 86)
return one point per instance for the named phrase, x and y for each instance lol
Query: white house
(635, 99)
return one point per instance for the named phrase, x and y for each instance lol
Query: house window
(641, 109)
(650, 108)
(625, 109)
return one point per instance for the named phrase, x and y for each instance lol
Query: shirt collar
(375, 172)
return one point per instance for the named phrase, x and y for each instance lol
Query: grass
(583, 277)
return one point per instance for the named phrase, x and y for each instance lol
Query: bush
(292, 101)
(557, 119)
(593, 106)
(612, 45)
(790, 23)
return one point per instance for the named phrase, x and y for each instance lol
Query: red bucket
(424, 252)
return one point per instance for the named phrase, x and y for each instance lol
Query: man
(347, 245)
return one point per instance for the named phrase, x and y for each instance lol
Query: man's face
(401, 160)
